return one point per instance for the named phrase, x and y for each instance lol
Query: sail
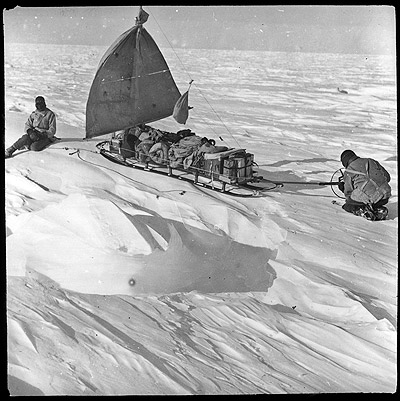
(133, 84)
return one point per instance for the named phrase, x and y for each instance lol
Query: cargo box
(238, 169)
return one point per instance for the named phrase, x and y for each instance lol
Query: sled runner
(211, 180)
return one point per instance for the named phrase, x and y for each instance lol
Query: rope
(198, 89)
(170, 44)
(78, 150)
(181, 192)
(339, 196)
(193, 168)
(212, 108)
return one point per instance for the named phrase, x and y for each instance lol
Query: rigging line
(218, 116)
(188, 74)
(122, 175)
(170, 44)
(199, 117)
(72, 148)
(78, 150)
(340, 179)
(180, 191)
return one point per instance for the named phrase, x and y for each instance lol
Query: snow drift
(123, 282)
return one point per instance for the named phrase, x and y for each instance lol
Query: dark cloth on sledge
(128, 145)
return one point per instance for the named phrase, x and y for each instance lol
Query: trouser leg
(352, 206)
(380, 203)
(370, 212)
(40, 144)
(37, 145)
(25, 140)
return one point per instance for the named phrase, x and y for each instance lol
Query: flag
(142, 17)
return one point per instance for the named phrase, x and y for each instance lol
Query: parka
(366, 181)
(43, 121)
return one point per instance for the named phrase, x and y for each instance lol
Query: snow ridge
(122, 282)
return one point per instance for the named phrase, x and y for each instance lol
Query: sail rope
(202, 172)
(163, 162)
(77, 151)
(198, 89)
(340, 179)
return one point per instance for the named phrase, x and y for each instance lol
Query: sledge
(134, 87)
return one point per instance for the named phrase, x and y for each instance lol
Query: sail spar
(133, 84)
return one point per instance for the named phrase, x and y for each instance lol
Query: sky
(331, 29)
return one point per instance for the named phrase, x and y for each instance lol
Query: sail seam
(139, 76)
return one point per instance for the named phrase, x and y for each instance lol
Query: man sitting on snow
(365, 185)
(39, 129)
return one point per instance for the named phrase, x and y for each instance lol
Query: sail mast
(133, 84)
(137, 66)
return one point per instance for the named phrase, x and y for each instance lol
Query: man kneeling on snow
(365, 185)
(39, 129)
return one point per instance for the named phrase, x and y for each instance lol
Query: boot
(366, 212)
(381, 213)
(9, 152)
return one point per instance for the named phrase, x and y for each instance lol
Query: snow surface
(281, 294)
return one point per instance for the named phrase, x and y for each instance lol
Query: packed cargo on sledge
(133, 87)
